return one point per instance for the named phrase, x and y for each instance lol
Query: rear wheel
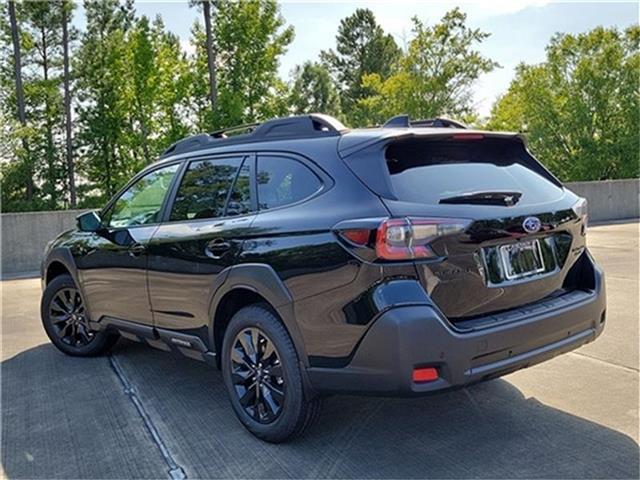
(263, 376)
(66, 322)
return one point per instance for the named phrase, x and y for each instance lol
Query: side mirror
(89, 222)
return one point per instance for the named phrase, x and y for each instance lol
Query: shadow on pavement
(69, 417)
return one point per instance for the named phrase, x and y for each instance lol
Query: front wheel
(263, 378)
(66, 322)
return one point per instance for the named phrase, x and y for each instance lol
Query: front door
(204, 231)
(113, 267)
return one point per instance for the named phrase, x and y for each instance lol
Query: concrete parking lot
(147, 414)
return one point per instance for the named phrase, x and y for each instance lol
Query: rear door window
(240, 198)
(282, 181)
(433, 171)
(205, 187)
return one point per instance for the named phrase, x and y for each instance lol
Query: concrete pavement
(143, 413)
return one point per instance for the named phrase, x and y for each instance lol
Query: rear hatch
(507, 231)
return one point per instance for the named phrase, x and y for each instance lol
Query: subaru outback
(304, 259)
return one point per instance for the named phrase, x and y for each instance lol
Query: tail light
(411, 238)
(580, 208)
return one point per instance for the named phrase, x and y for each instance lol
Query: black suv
(303, 258)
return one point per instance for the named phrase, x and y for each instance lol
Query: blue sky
(519, 29)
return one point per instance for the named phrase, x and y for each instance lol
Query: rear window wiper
(507, 199)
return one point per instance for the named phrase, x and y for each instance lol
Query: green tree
(250, 37)
(43, 32)
(313, 90)
(434, 77)
(208, 8)
(199, 91)
(37, 62)
(67, 12)
(17, 170)
(159, 89)
(362, 48)
(104, 94)
(144, 76)
(172, 89)
(580, 107)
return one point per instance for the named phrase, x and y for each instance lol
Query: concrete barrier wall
(610, 199)
(24, 235)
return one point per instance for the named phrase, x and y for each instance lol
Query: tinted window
(430, 171)
(282, 181)
(204, 189)
(240, 198)
(141, 203)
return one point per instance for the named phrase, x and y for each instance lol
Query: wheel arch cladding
(57, 260)
(54, 269)
(248, 284)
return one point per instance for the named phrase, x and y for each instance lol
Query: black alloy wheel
(66, 320)
(66, 311)
(264, 377)
(257, 375)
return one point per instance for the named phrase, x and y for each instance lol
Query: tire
(65, 322)
(246, 375)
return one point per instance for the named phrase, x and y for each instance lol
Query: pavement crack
(176, 472)
(612, 364)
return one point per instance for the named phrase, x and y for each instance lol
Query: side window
(282, 181)
(142, 202)
(204, 189)
(240, 198)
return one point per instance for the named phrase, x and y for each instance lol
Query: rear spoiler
(366, 158)
(358, 140)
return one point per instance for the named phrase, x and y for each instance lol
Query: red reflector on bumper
(358, 237)
(428, 374)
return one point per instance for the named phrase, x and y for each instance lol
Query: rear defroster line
(176, 472)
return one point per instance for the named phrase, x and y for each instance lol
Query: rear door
(211, 210)
(520, 226)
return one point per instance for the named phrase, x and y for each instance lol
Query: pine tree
(362, 48)
(43, 33)
(67, 10)
(24, 168)
(313, 90)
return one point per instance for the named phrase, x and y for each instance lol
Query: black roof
(300, 126)
(286, 128)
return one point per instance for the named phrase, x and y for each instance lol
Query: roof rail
(222, 133)
(299, 126)
(403, 121)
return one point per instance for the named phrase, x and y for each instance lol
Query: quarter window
(282, 181)
(204, 189)
(141, 203)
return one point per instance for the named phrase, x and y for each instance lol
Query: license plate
(522, 259)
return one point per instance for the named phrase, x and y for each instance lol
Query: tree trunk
(50, 153)
(67, 109)
(211, 55)
(17, 61)
(17, 65)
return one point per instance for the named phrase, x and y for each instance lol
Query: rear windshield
(431, 171)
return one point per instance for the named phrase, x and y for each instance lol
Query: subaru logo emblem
(531, 224)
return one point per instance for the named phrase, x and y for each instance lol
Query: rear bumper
(407, 337)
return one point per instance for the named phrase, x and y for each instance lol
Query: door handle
(137, 249)
(217, 247)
